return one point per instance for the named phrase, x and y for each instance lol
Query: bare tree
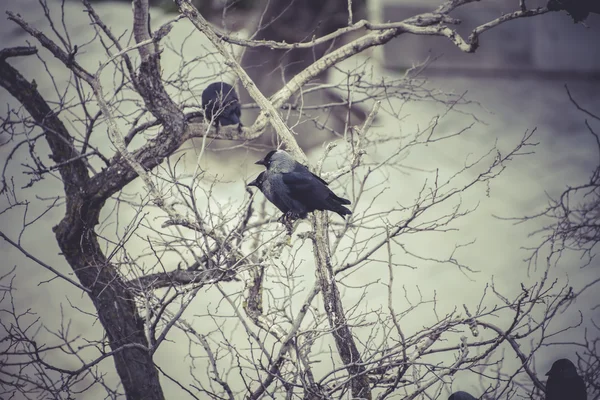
(575, 215)
(144, 256)
(270, 68)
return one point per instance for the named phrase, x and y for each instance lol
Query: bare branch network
(185, 258)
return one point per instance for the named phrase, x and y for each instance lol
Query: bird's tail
(341, 210)
(340, 200)
(335, 206)
(230, 119)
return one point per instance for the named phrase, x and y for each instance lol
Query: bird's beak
(548, 373)
(253, 183)
(260, 162)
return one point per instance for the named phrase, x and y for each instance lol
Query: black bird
(564, 383)
(221, 102)
(293, 189)
(460, 395)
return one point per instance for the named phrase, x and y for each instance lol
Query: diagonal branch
(74, 174)
(67, 59)
(40, 262)
(269, 111)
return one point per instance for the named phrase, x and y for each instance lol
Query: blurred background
(514, 83)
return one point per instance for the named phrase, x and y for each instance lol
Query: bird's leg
(282, 218)
(287, 220)
(289, 226)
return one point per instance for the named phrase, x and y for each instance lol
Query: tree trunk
(76, 237)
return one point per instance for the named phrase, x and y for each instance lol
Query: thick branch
(253, 304)
(17, 52)
(332, 302)
(150, 83)
(141, 28)
(417, 20)
(179, 277)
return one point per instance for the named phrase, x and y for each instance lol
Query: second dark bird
(293, 189)
(460, 395)
(564, 383)
(221, 104)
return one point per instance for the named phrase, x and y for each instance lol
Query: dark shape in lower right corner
(460, 395)
(564, 383)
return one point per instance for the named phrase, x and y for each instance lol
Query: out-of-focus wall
(549, 43)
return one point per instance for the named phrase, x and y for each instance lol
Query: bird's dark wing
(278, 193)
(303, 169)
(312, 193)
(211, 94)
(231, 112)
(279, 201)
(302, 185)
(320, 179)
(220, 101)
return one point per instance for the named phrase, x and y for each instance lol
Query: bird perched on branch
(460, 395)
(293, 189)
(564, 383)
(221, 104)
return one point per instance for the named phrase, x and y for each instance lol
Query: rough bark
(345, 343)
